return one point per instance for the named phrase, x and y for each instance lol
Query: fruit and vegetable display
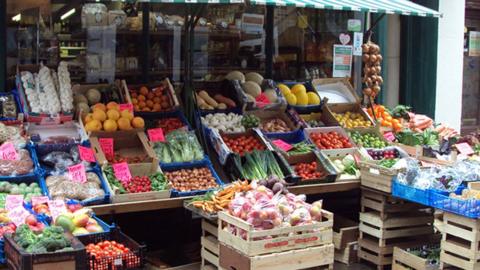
(372, 60)
(384, 118)
(224, 122)
(49, 239)
(330, 140)
(137, 184)
(13, 134)
(298, 95)
(346, 165)
(191, 179)
(275, 125)
(218, 101)
(27, 190)
(110, 118)
(427, 137)
(384, 153)
(100, 94)
(179, 146)
(252, 83)
(310, 170)
(258, 165)
(13, 167)
(368, 140)
(62, 187)
(7, 228)
(215, 201)
(243, 144)
(8, 107)
(170, 124)
(315, 123)
(250, 121)
(130, 159)
(157, 99)
(59, 161)
(79, 222)
(352, 119)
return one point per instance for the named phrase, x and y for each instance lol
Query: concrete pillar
(392, 87)
(448, 106)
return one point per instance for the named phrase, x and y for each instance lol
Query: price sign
(8, 152)
(12, 201)
(86, 154)
(389, 136)
(262, 100)
(18, 215)
(122, 172)
(57, 207)
(464, 148)
(53, 120)
(107, 146)
(126, 106)
(282, 145)
(77, 173)
(36, 200)
(156, 135)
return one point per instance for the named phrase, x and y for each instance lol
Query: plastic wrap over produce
(59, 161)
(22, 165)
(180, 146)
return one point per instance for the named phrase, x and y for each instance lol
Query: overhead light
(17, 17)
(67, 14)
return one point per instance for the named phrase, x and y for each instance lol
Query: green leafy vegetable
(427, 137)
(179, 146)
(258, 165)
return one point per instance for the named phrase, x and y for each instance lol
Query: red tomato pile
(108, 253)
(330, 140)
(170, 124)
(243, 144)
(309, 171)
(139, 184)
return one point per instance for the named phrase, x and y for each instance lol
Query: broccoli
(24, 236)
(50, 240)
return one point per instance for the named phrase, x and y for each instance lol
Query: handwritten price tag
(18, 215)
(86, 154)
(107, 146)
(282, 145)
(389, 136)
(126, 106)
(464, 148)
(12, 201)
(77, 173)
(156, 135)
(57, 207)
(262, 100)
(8, 151)
(36, 200)
(122, 172)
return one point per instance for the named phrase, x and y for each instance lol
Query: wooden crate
(347, 255)
(345, 231)
(210, 245)
(280, 239)
(384, 204)
(376, 177)
(460, 245)
(404, 260)
(288, 260)
(438, 221)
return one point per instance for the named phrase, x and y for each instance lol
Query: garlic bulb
(65, 89)
(48, 98)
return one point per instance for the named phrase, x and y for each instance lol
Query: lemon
(291, 99)
(313, 98)
(284, 89)
(302, 98)
(298, 88)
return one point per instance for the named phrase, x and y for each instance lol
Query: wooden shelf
(142, 206)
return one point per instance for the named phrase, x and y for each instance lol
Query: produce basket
(19, 259)
(442, 201)
(207, 164)
(135, 259)
(340, 154)
(32, 176)
(322, 165)
(257, 242)
(18, 107)
(308, 108)
(141, 169)
(285, 116)
(150, 120)
(317, 117)
(227, 89)
(250, 105)
(339, 130)
(343, 108)
(421, 196)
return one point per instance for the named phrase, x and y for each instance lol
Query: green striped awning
(403, 7)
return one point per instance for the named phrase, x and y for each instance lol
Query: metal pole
(269, 21)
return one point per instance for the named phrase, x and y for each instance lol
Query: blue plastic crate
(293, 137)
(94, 201)
(208, 164)
(184, 164)
(421, 196)
(468, 208)
(29, 177)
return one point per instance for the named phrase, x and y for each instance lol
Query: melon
(93, 96)
(250, 98)
(271, 95)
(254, 77)
(80, 98)
(83, 107)
(235, 75)
(252, 88)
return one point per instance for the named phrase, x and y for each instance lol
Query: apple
(94, 228)
(92, 221)
(80, 220)
(79, 231)
(31, 220)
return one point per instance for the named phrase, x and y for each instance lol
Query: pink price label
(57, 207)
(282, 145)
(262, 100)
(8, 152)
(464, 148)
(12, 201)
(389, 136)
(86, 154)
(107, 146)
(77, 173)
(122, 172)
(156, 135)
(36, 200)
(126, 106)
(18, 215)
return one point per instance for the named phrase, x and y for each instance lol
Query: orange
(157, 107)
(99, 106)
(113, 105)
(156, 100)
(88, 117)
(158, 93)
(165, 105)
(113, 114)
(99, 115)
(136, 108)
(110, 125)
(165, 98)
(142, 104)
(150, 96)
(146, 109)
(137, 122)
(141, 98)
(93, 125)
(126, 114)
(144, 90)
(149, 103)
(134, 101)
(124, 124)
(388, 118)
(133, 95)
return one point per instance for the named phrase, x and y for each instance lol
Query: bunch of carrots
(212, 203)
(384, 118)
(419, 122)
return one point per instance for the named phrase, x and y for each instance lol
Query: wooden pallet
(460, 245)
(210, 245)
(404, 260)
(384, 204)
(347, 255)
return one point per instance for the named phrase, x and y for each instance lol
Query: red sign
(107, 146)
(126, 106)
(122, 172)
(262, 100)
(282, 145)
(77, 173)
(389, 136)
(8, 151)
(86, 154)
(156, 135)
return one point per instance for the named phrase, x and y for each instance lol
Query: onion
(367, 91)
(365, 57)
(373, 58)
(365, 48)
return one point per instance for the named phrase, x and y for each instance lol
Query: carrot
(222, 99)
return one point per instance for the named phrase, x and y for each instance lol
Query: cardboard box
(126, 145)
(272, 114)
(336, 88)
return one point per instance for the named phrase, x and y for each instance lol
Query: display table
(140, 206)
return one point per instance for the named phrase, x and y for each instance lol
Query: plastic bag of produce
(23, 165)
